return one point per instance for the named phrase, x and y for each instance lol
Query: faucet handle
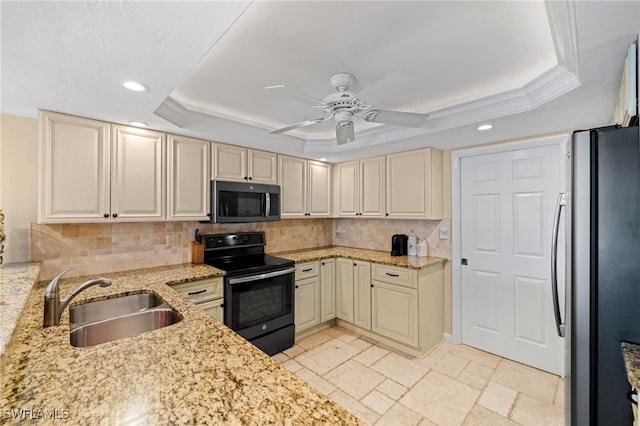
(52, 287)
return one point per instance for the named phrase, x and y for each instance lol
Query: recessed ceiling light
(322, 159)
(134, 86)
(486, 126)
(138, 123)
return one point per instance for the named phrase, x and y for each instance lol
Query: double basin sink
(107, 320)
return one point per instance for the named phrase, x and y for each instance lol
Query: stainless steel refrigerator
(602, 285)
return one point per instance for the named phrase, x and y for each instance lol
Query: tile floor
(452, 385)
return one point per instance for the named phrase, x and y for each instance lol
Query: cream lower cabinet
(307, 295)
(353, 289)
(305, 187)
(327, 289)
(205, 294)
(394, 312)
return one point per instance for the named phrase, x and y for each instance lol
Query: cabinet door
(344, 289)
(229, 163)
(327, 289)
(187, 178)
(213, 308)
(319, 201)
(362, 294)
(394, 312)
(307, 303)
(74, 177)
(372, 187)
(137, 174)
(263, 166)
(347, 187)
(292, 177)
(414, 184)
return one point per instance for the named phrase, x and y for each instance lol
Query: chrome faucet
(53, 306)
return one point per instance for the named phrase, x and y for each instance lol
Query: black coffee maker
(399, 245)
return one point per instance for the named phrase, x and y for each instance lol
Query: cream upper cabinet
(75, 159)
(414, 184)
(233, 163)
(187, 178)
(305, 187)
(327, 289)
(361, 188)
(137, 174)
(94, 171)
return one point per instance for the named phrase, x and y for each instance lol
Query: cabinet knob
(106, 215)
(386, 214)
(355, 264)
(250, 178)
(322, 263)
(371, 285)
(115, 215)
(245, 178)
(296, 286)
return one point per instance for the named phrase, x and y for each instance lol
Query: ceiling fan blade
(296, 94)
(398, 118)
(300, 124)
(345, 133)
(390, 88)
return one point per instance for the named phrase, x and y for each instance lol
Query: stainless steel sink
(111, 308)
(112, 319)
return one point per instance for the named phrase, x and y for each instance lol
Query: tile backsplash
(110, 247)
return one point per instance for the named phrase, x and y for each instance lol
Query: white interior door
(507, 202)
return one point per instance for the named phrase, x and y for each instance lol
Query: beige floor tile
(522, 378)
(476, 375)
(427, 422)
(327, 356)
(348, 337)
(498, 398)
(559, 399)
(292, 365)
(404, 371)
(445, 346)
(356, 408)
(531, 411)
(294, 351)
(314, 340)
(354, 378)
(445, 362)
(280, 357)
(480, 416)
(441, 399)
(378, 402)
(316, 381)
(337, 331)
(399, 415)
(371, 355)
(392, 389)
(360, 344)
(476, 355)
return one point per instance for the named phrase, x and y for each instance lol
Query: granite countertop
(384, 257)
(631, 355)
(196, 371)
(16, 281)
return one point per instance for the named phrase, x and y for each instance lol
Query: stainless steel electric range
(258, 288)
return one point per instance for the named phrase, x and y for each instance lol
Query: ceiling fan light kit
(343, 104)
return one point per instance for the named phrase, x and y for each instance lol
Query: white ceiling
(528, 67)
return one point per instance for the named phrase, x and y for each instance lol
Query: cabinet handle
(196, 292)
(392, 275)
(115, 215)
(106, 215)
(307, 270)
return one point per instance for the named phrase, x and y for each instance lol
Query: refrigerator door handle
(562, 202)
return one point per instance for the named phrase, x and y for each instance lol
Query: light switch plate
(444, 233)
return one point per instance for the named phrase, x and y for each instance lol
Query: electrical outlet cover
(444, 234)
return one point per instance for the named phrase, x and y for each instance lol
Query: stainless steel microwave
(236, 202)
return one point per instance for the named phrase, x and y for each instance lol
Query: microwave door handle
(267, 202)
(562, 202)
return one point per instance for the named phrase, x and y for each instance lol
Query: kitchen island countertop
(196, 371)
(384, 257)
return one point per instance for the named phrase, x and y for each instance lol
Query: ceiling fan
(343, 105)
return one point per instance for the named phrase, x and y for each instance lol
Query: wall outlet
(173, 240)
(444, 233)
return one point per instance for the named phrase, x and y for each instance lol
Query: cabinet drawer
(307, 270)
(394, 275)
(200, 290)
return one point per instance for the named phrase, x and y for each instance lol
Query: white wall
(18, 183)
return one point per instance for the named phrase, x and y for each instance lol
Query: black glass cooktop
(255, 263)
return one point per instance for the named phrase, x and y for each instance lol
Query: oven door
(259, 304)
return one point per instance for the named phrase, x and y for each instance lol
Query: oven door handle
(258, 277)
